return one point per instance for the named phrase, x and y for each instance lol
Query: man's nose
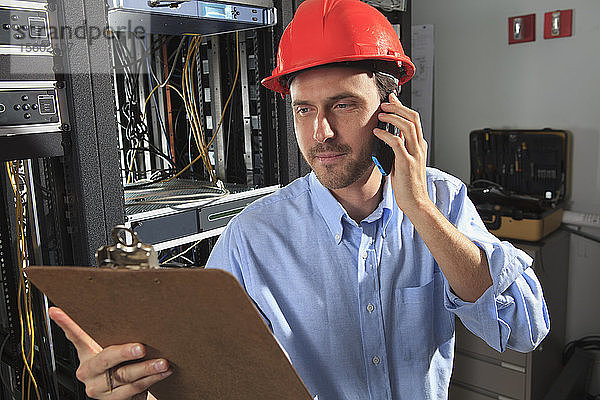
(323, 129)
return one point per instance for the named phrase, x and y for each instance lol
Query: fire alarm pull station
(521, 29)
(558, 24)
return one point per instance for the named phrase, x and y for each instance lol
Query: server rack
(75, 163)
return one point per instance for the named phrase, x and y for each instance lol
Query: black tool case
(520, 180)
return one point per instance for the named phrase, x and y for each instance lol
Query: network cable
(24, 303)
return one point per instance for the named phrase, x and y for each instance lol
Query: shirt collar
(333, 212)
(328, 206)
(386, 208)
(388, 205)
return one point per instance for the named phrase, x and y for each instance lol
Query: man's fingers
(134, 372)
(131, 378)
(131, 389)
(103, 369)
(108, 358)
(407, 128)
(404, 111)
(396, 107)
(395, 142)
(85, 345)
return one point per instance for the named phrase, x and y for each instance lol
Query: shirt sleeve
(512, 313)
(227, 255)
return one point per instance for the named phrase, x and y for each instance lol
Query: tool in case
(519, 180)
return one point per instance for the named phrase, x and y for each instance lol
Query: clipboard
(202, 321)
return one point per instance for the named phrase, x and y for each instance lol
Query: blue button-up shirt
(363, 310)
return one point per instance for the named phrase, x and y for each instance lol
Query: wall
(481, 81)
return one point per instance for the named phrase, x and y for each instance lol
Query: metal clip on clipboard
(121, 254)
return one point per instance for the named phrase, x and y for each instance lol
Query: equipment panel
(194, 17)
(25, 107)
(181, 211)
(23, 26)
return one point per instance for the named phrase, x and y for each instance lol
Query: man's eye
(342, 106)
(302, 110)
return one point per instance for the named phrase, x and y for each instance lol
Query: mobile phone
(382, 154)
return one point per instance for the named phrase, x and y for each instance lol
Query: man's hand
(101, 370)
(463, 263)
(410, 156)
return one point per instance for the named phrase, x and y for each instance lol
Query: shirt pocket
(422, 323)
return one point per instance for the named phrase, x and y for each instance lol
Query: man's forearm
(463, 263)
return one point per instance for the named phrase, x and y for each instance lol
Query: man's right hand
(102, 370)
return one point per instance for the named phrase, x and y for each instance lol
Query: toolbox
(520, 180)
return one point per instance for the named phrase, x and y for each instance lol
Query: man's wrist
(422, 211)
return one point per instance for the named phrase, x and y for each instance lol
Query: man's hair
(386, 82)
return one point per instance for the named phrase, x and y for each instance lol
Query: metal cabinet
(481, 372)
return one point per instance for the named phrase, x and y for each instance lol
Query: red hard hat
(330, 31)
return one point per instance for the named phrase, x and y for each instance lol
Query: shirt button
(370, 308)
(337, 237)
(376, 360)
(364, 255)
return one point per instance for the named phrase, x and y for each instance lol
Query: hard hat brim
(274, 82)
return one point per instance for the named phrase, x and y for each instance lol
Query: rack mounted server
(32, 119)
(189, 16)
(180, 211)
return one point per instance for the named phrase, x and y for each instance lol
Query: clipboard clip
(127, 251)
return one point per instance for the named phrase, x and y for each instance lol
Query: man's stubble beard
(340, 176)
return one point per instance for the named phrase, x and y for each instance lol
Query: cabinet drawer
(488, 376)
(467, 342)
(457, 392)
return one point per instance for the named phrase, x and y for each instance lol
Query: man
(358, 275)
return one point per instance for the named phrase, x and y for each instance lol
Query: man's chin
(333, 179)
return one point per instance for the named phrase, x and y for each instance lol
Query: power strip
(581, 219)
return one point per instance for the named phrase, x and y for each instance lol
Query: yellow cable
(196, 124)
(176, 91)
(130, 168)
(206, 158)
(192, 92)
(147, 100)
(190, 105)
(25, 301)
(185, 87)
(182, 253)
(145, 109)
(191, 108)
(222, 114)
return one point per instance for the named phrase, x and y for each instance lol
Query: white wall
(481, 81)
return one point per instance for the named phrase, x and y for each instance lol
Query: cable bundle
(24, 303)
(190, 101)
(192, 111)
(133, 119)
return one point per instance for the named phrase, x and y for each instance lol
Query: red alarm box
(558, 24)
